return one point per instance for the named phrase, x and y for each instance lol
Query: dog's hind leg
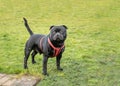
(27, 53)
(33, 56)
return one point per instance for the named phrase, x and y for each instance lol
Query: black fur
(57, 36)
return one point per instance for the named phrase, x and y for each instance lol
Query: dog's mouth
(57, 38)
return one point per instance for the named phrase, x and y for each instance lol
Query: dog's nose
(58, 34)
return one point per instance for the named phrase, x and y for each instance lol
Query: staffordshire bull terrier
(51, 45)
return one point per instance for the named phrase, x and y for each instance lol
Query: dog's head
(58, 33)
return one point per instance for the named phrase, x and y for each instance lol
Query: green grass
(92, 56)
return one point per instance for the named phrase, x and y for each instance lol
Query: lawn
(92, 56)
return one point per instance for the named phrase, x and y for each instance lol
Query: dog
(51, 45)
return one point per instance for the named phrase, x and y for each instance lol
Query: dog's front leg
(58, 58)
(45, 60)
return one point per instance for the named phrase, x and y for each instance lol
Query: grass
(92, 47)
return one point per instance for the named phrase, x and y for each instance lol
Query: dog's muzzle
(58, 37)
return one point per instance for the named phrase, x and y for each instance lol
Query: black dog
(51, 45)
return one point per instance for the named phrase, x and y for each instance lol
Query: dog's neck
(57, 50)
(57, 44)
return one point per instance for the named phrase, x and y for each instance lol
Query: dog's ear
(51, 27)
(65, 26)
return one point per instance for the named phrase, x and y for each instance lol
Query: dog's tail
(27, 26)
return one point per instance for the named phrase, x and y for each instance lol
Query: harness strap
(41, 43)
(56, 50)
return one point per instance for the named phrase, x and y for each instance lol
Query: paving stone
(2, 75)
(11, 80)
(26, 81)
(4, 79)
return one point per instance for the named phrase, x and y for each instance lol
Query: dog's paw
(46, 74)
(60, 69)
(33, 62)
(25, 67)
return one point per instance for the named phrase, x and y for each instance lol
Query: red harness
(56, 49)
